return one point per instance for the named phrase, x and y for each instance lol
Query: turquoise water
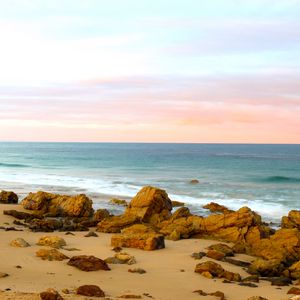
(263, 177)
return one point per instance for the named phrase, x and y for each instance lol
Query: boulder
(19, 242)
(177, 203)
(52, 254)
(294, 291)
(8, 197)
(121, 258)
(295, 270)
(150, 205)
(138, 236)
(266, 268)
(116, 223)
(211, 269)
(90, 291)
(214, 254)
(52, 241)
(20, 215)
(45, 225)
(215, 207)
(292, 220)
(59, 205)
(88, 263)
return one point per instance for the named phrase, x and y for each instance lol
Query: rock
(50, 294)
(257, 298)
(248, 284)
(236, 262)
(217, 294)
(214, 254)
(8, 197)
(20, 215)
(19, 242)
(292, 220)
(266, 268)
(116, 223)
(52, 241)
(88, 263)
(45, 225)
(101, 214)
(59, 205)
(294, 291)
(284, 246)
(150, 205)
(194, 181)
(295, 270)
(182, 212)
(52, 254)
(130, 296)
(177, 203)
(121, 258)
(91, 234)
(2, 275)
(279, 281)
(118, 202)
(252, 278)
(137, 270)
(215, 207)
(90, 291)
(212, 269)
(198, 255)
(138, 236)
(223, 248)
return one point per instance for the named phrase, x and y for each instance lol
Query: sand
(170, 271)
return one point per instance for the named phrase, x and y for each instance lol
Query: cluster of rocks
(148, 220)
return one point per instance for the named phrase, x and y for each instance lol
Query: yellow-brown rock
(292, 220)
(52, 241)
(59, 205)
(116, 223)
(151, 205)
(8, 197)
(295, 270)
(50, 254)
(215, 207)
(138, 236)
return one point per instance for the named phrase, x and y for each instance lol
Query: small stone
(118, 202)
(91, 234)
(194, 181)
(252, 278)
(294, 291)
(117, 249)
(198, 255)
(2, 275)
(137, 270)
(249, 284)
(52, 241)
(128, 296)
(69, 233)
(50, 294)
(90, 290)
(19, 242)
(257, 298)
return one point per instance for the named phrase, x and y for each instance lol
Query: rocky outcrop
(292, 220)
(150, 205)
(116, 223)
(88, 263)
(59, 205)
(266, 268)
(138, 236)
(20, 215)
(8, 197)
(215, 207)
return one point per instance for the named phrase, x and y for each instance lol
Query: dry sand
(164, 280)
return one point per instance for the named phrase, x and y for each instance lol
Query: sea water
(265, 178)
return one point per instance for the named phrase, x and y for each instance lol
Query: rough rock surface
(52, 241)
(8, 197)
(52, 254)
(88, 263)
(59, 205)
(292, 220)
(90, 291)
(138, 236)
(295, 270)
(19, 242)
(215, 207)
(116, 223)
(266, 268)
(121, 258)
(50, 294)
(117, 201)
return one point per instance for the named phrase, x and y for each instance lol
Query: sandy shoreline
(164, 279)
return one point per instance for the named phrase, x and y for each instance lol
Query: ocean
(265, 178)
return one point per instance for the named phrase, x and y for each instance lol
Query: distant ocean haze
(265, 178)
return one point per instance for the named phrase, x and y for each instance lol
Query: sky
(209, 71)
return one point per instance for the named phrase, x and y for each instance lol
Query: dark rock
(20, 215)
(278, 281)
(268, 268)
(91, 234)
(252, 278)
(90, 291)
(194, 181)
(236, 262)
(50, 294)
(249, 284)
(88, 263)
(198, 255)
(8, 197)
(294, 291)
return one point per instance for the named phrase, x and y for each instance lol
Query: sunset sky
(150, 71)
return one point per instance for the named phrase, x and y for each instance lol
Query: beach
(169, 272)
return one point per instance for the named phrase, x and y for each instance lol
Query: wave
(13, 165)
(282, 179)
